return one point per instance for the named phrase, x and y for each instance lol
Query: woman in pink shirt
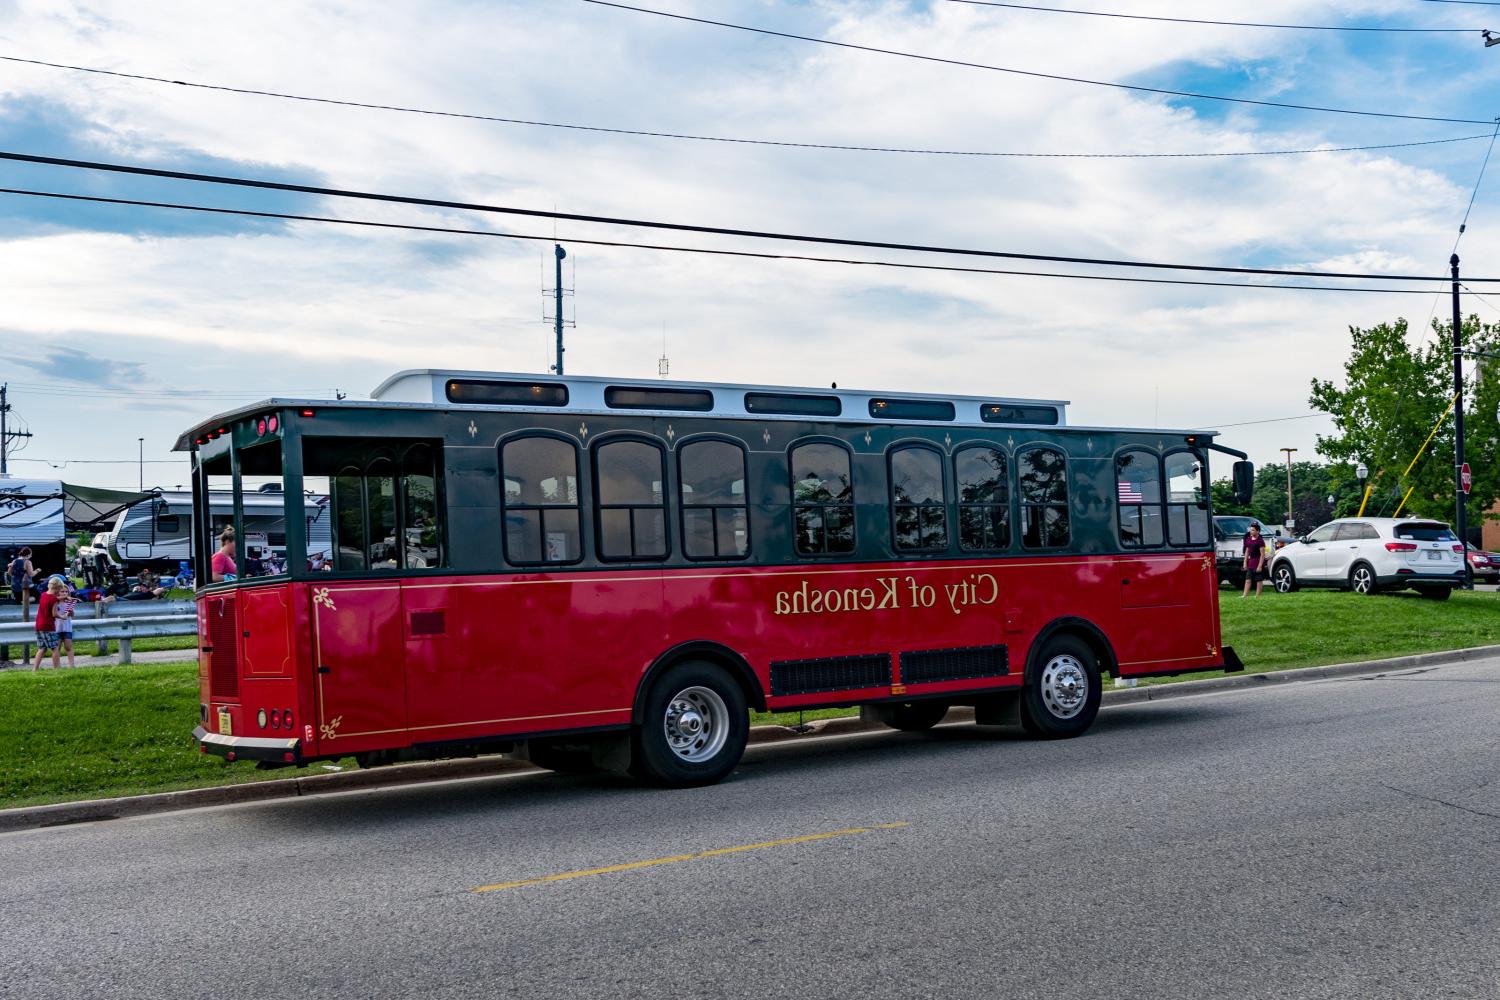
(223, 566)
(1256, 560)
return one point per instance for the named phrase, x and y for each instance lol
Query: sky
(119, 324)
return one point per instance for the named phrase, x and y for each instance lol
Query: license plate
(1434, 554)
(225, 726)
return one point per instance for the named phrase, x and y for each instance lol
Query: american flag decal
(1130, 493)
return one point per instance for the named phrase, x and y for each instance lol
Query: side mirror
(1244, 481)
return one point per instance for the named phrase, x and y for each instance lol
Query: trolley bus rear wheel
(915, 716)
(1061, 696)
(693, 727)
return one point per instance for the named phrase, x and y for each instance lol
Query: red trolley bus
(607, 572)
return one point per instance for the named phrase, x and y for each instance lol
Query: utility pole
(1461, 518)
(6, 434)
(1289, 522)
(141, 463)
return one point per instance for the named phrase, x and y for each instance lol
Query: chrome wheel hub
(696, 724)
(1065, 686)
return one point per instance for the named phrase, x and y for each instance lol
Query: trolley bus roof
(447, 389)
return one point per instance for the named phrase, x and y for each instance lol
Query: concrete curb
(94, 810)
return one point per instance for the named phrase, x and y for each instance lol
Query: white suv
(1366, 554)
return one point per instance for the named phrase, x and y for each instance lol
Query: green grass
(98, 732)
(104, 731)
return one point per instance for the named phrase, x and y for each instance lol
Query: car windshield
(1428, 531)
(1234, 527)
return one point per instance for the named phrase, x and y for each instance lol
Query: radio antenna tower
(662, 364)
(555, 295)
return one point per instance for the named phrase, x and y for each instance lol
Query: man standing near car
(1256, 559)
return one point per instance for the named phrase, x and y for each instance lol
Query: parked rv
(158, 534)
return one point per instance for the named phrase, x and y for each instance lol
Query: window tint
(1428, 531)
(622, 398)
(508, 393)
(349, 519)
(1042, 481)
(911, 409)
(1323, 534)
(822, 499)
(918, 500)
(797, 405)
(540, 502)
(628, 477)
(1001, 413)
(1187, 504)
(983, 478)
(423, 536)
(1138, 494)
(715, 518)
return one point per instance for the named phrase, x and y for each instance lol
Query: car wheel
(915, 716)
(1284, 579)
(1435, 593)
(1362, 579)
(693, 728)
(1061, 695)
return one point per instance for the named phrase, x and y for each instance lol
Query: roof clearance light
(306, 413)
(271, 423)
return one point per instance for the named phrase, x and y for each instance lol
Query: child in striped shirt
(63, 612)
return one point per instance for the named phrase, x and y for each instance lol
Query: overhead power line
(682, 227)
(1162, 91)
(450, 230)
(731, 140)
(1229, 24)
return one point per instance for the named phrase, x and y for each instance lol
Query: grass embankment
(104, 731)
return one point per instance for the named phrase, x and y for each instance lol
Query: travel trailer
(158, 534)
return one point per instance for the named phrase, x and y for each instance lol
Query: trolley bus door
(358, 656)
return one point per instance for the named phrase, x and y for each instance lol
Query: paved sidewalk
(87, 658)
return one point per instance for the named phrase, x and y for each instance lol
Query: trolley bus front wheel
(693, 727)
(1062, 691)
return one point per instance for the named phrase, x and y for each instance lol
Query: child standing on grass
(66, 604)
(46, 622)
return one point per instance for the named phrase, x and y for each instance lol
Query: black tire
(1056, 672)
(564, 758)
(1435, 593)
(1284, 578)
(685, 700)
(915, 716)
(1362, 579)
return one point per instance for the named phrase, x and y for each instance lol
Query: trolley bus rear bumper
(281, 751)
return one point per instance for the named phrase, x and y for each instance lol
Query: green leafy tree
(1394, 395)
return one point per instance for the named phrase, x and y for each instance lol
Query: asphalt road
(1326, 839)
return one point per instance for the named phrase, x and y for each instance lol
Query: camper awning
(38, 511)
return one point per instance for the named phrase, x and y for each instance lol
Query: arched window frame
(795, 507)
(596, 447)
(1122, 505)
(1007, 505)
(684, 506)
(942, 541)
(576, 507)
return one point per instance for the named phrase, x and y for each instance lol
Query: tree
(1312, 484)
(1394, 396)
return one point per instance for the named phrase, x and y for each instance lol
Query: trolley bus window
(918, 501)
(715, 524)
(1042, 476)
(628, 492)
(1187, 503)
(384, 502)
(1138, 493)
(822, 500)
(540, 501)
(262, 550)
(983, 477)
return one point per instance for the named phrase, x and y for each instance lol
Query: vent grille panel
(428, 623)
(967, 663)
(224, 641)
(831, 673)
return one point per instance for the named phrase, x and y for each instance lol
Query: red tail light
(1401, 546)
(1458, 548)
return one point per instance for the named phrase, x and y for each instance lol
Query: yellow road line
(716, 852)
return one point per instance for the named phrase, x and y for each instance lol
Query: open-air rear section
(503, 563)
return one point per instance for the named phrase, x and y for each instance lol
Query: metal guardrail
(110, 628)
(101, 609)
